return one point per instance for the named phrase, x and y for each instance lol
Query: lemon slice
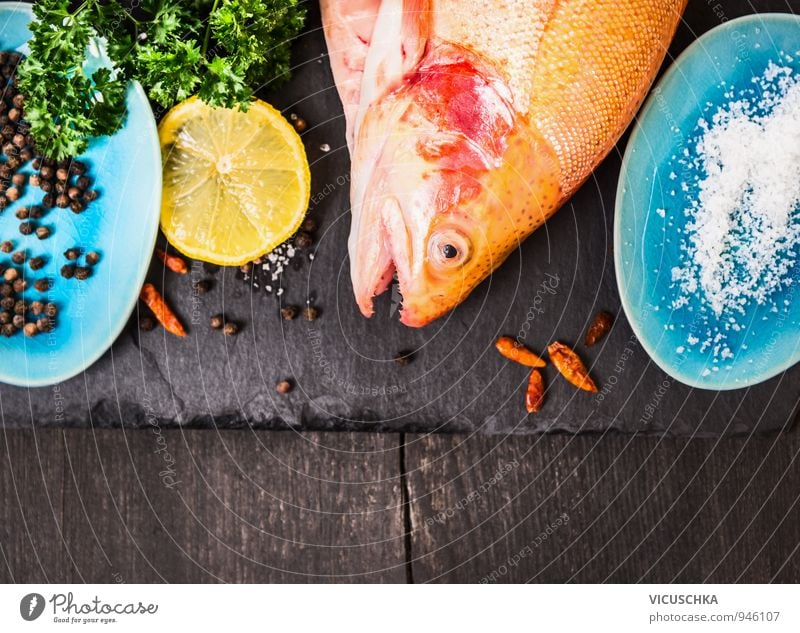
(236, 184)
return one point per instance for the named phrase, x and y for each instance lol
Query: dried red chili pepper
(571, 366)
(517, 352)
(166, 317)
(173, 262)
(599, 328)
(534, 394)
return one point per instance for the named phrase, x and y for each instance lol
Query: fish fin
(348, 26)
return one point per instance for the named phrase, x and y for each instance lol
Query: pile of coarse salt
(743, 223)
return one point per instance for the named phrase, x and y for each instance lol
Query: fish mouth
(380, 251)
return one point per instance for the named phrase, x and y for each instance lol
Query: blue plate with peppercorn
(76, 236)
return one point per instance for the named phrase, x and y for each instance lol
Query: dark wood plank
(632, 509)
(32, 547)
(234, 506)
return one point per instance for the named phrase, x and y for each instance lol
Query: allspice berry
(217, 321)
(283, 387)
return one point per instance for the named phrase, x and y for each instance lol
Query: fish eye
(449, 248)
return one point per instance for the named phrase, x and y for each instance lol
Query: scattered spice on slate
(147, 323)
(298, 122)
(202, 287)
(283, 387)
(158, 306)
(404, 358)
(289, 313)
(217, 321)
(230, 329)
(599, 328)
(308, 225)
(173, 262)
(310, 313)
(303, 240)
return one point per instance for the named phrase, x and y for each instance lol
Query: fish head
(456, 180)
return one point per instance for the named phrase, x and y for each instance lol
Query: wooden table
(202, 506)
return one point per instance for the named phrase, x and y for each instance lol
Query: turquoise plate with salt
(709, 285)
(121, 225)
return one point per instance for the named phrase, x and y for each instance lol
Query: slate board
(342, 363)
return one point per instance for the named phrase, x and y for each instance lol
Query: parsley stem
(207, 36)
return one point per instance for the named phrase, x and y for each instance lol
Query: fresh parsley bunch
(221, 50)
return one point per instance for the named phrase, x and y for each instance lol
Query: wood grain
(244, 507)
(486, 509)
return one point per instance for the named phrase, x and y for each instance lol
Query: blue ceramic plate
(121, 225)
(650, 222)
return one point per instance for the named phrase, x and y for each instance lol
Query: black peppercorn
(20, 307)
(62, 201)
(202, 287)
(74, 193)
(18, 100)
(19, 140)
(60, 187)
(289, 313)
(51, 309)
(217, 321)
(8, 330)
(303, 240)
(76, 206)
(19, 321)
(5, 290)
(7, 303)
(82, 183)
(62, 174)
(3, 202)
(35, 180)
(36, 212)
(11, 274)
(13, 194)
(77, 168)
(14, 114)
(46, 172)
(92, 258)
(283, 387)
(37, 163)
(13, 162)
(18, 180)
(308, 225)
(26, 154)
(49, 201)
(7, 246)
(23, 213)
(5, 317)
(36, 263)
(72, 254)
(19, 285)
(42, 285)
(68, 271)
(37, 307)
(26, 228)
(404, 358)
(82, 273)
(9, 149)
(19, 257)
(146, 323)
(46, 186)
(42, 232)
(90, 195)
(230, 329)
(310, 313)
(30, 329)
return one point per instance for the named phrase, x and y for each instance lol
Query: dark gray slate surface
(342, 363)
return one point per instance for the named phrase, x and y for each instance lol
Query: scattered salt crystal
(325, 148)
(680, 349)
(661, 212)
